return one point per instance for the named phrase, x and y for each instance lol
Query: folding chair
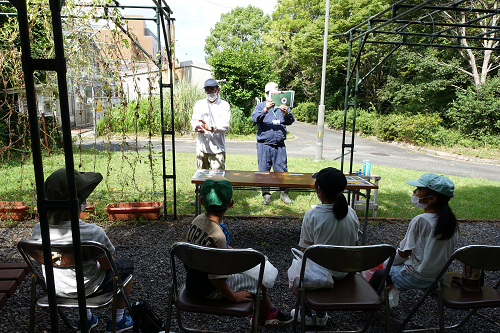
(353, 293)
(63, 256)
(448, 295)
(213, 261)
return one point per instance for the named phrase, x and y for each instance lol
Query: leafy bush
(475, 111)
(240, 124)
(307, 112)
(415, 128)
(365, 120)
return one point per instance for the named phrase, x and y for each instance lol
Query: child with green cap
(208, 230)
(430, 239)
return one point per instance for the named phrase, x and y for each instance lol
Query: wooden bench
(11, 276)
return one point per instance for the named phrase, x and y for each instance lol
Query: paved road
(303, 142)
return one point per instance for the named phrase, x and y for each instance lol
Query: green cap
(216, 193)
(56, 188)
(438, 183)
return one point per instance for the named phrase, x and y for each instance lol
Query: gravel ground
(148, 246)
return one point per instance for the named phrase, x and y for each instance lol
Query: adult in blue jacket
(271, 135)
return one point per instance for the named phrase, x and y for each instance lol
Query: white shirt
(321, 227)
(65, 278)
(428, 254)
(216, 114)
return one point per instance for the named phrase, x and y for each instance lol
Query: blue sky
(193, 20)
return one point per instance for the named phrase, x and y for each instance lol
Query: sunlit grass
(129, 176)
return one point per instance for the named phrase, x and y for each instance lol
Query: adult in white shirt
(210, 121)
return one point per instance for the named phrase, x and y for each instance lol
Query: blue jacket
(267, 132)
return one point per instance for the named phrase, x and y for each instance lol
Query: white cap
(271, 86)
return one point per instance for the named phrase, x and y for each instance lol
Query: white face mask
(416, 201)
(212, 97)
(83, 206)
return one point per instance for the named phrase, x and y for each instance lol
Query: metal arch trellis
(163, 13)
(58, 65)
(390, 27)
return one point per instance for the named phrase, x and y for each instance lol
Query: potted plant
(134, 210)
(12, 210)
(89, 210)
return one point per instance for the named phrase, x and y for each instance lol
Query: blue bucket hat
(438, 183)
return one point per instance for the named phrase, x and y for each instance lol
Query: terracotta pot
(134, 210)
(10, 210)
(83, 215)
(89, 210)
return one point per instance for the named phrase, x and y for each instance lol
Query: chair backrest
(349, 258)
(63, 253)
(479, 256)
(216, 261)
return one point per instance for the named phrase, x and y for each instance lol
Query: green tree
(417, 83)
(300, 44)
(244, 75)
(238, 29)
(289, 18)
(475, 111)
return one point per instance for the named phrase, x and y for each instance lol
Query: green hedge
(306, 112)
(240, 124)
(418, 129)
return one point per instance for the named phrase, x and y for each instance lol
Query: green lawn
(130, 176)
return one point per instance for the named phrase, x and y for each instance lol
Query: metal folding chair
(353, 293)
(454, 297)
(63, 256)
(213, 261)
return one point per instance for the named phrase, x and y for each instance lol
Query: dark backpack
(145, 319)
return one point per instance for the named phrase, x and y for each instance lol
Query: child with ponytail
(332, 222)
(430, 239)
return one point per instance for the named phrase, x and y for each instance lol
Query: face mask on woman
(416, 201)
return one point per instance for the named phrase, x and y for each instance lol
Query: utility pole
(321, 109)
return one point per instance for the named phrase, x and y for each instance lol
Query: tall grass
(129, 176)
(144, 115)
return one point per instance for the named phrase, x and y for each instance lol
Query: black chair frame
(479, 256)
(350, 259)
(213, 261)
(63, 256)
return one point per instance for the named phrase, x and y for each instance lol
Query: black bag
(145, 319)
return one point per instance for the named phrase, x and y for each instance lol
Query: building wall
(194, 72)
(138, 30)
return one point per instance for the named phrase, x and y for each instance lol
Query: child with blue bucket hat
(430, 239)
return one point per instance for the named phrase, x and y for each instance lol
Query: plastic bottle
(368, 168)
(365, 163)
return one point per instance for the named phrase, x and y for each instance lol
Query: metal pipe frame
(363, 30)
(405, 33)
(163, 12)
(58, 64)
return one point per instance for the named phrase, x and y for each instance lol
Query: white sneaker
(321, 321)
(309, 319)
